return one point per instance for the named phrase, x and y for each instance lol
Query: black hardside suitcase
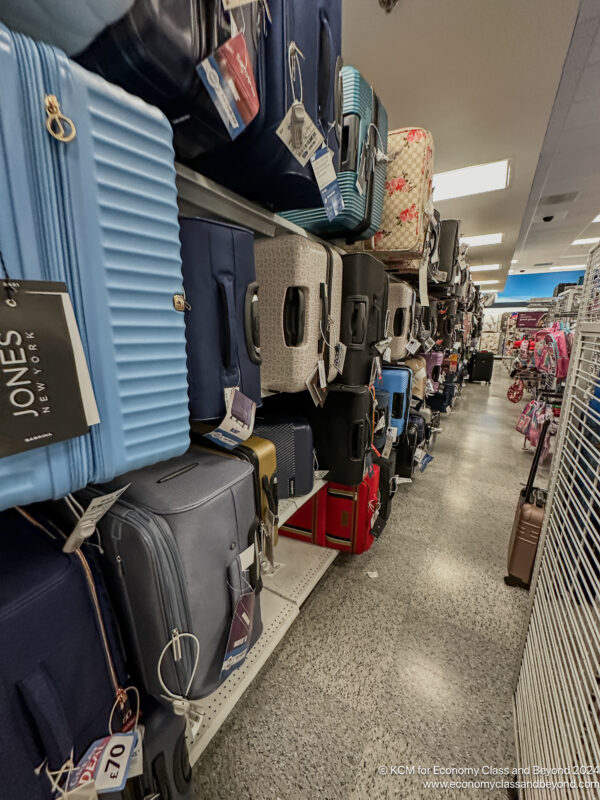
(341, 428)
(405, 451)
(293, 442)
(180, 548)
(481, 367)
(448, 253)
(387, 488)
(364, 309)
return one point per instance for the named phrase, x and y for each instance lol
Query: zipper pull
(177, 653)
(55, 119)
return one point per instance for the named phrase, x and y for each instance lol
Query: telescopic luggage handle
(536, 460)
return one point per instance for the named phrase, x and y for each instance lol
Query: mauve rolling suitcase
(300, 299)
(382, 418)
(527, 525)
(434, 363)
(98, 212)
(408, 204)
(481, 367)
(258, 164)
(293, 442)
(60, 667)
(222, 314)
(308, 523)
(364, 133)
(70, 26)
(351, 513)
(179, 552)
(364, 314)
(397, 380)
(401, 307)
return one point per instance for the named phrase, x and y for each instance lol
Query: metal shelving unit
(298, 569)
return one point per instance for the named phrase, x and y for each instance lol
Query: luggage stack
(195, 373)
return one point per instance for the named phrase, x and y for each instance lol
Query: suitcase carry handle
(327, 66)
(252, 323)
(399, 322)
(350, 138)
(294, 313)
(47, 715)
(358, 320)
(536, 460)
(398, 405)
(358, 439)
(230, 327)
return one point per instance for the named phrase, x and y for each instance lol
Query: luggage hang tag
(375, 371)
(238, 423)
(313, 384)
(106, 763)
(229, 4)
(240, 632)
(229, 80)
(339, 357)
(46, 394)
(424, 462)
(382, 345)
(86, 524)
(327, 181)
(413, 346)
(428, 344)
(136, 765)
(390, 438)
(440, 276)
(423, 293)
(87, 791)
(322, 375)
(297, 130)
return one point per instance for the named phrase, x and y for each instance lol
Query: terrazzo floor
(412, 667)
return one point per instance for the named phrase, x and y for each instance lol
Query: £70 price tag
(106, 763)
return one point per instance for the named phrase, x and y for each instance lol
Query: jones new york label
(40, 382)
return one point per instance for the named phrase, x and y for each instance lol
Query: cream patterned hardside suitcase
(401, 305)
(408, 203)
(300, 296)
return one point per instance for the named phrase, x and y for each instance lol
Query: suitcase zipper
(120, 694)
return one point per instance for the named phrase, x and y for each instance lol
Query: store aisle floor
(412, 667)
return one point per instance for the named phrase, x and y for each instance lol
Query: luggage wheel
(510, 580)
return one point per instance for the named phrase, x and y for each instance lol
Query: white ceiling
(481, 75)
(570, 159)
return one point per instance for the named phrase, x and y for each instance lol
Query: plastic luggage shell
(397, 380)
(293, 442)
(222, 314)
(351, 514)
(100, 213)
(300, 298)
(308, 523)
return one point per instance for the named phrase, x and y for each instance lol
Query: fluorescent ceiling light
(485, 268)
(486, 238)
(568, 267)
(471, 180)
(483, 283)
(591, 240)
(514, 261)
(596, 219)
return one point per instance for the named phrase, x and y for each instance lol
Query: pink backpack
(551, 353)
(527, 415)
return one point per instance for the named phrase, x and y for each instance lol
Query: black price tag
(43, 374)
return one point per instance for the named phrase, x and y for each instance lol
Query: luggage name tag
(424, 462)
(339, 357)
(86, 525)
(390, 438)
(440, 276)
(229, 80)
(331, 194)
(238, 423)
(136, 765)
(428, 344)
(46, 394)
(240, 632)
(229, 4)
(87, 791)
(419, 455)
(299, 133)
(382, 345)
(269, 523)
(313, 384)
(423, 293)
(322, 375)
(413, 346)
(106, 763)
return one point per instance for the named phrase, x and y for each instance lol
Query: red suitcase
(351, 514)
(308, 523)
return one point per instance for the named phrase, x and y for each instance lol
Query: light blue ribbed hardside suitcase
(397, 380)
(361, 216)
(100, 214)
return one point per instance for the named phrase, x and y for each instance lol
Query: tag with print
(331, 194)
(238, 422)
(300, 134)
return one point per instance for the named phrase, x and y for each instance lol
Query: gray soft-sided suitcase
(171, 558)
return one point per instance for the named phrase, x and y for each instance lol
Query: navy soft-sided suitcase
(397, 380)
(481, 367)
(258, 164)
(293, 442)
(365, 287)
(60, 667)
(98, 212)
(222, 318)
(179, 551)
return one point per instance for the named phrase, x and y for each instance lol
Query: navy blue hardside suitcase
(258, 164)
(98, 212)
(222, 320)
(397, 380)
(60, 665)
(382, 418)
(293, 442)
